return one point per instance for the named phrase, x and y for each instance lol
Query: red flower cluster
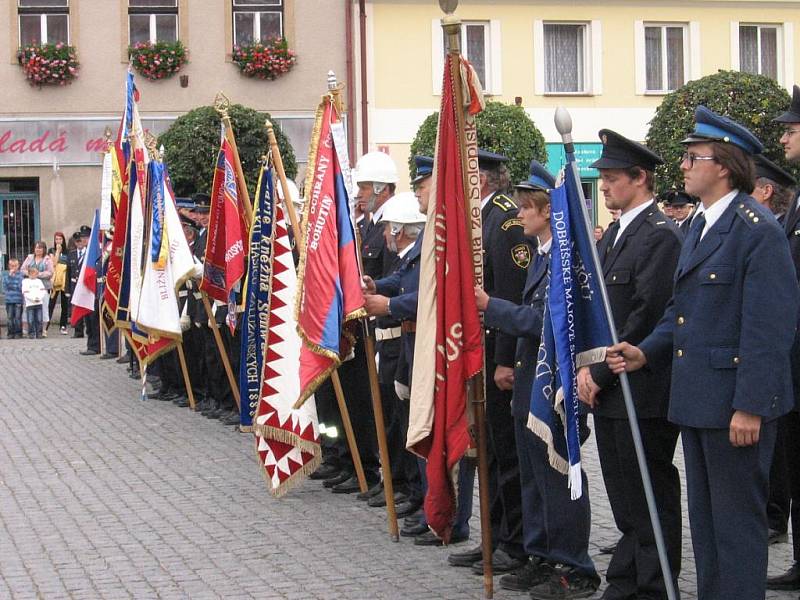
(157, 61)
(48, 64)
(265, 61)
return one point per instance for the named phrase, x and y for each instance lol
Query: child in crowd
(12, 284)
(33, 291)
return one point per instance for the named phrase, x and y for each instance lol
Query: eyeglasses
(790, 132)
(691, 158)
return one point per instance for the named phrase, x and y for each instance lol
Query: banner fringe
(541, 429)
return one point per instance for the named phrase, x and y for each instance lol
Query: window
(666, 55)
(43, 21)
(480, 45)
(256, 21)
(565, 58)
(475, 47)
(758, 49)
(152, 21)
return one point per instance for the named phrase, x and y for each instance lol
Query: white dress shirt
(714, 212)
(627, 218)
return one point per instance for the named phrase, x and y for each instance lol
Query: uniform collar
(714, 212)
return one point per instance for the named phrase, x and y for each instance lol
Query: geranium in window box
(160, 60)
(48, 64)
(265, 61)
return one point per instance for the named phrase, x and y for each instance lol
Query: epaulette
(504, 202)
(748, 215)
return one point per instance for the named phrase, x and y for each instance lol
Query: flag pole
(334, 90)
(221, 104)
(298, 240)
(476, 388)
(186, 381)
(212, 323)
(563, 123)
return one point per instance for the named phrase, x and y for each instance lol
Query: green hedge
(753, 100)
(503, 128)
(192, 142)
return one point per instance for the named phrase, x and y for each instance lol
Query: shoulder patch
(748, 215)
(521, 253)
(504, 202)
(510, 223)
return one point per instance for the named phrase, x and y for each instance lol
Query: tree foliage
(752, 100)
(192, 142)
(503, 128)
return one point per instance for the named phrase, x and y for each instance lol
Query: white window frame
(691, 53)
(784, 54)
(153, 31)
(592, 60)
(42, 20)
(492, 54)
(256, 20)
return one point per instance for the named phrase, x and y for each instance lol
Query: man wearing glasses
(789, 425)
(728, 331)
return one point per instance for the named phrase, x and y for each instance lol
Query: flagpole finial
(222, 103)
(331, 80)
(563, 121)
(151, 143)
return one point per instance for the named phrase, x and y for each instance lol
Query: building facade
(609, 63)
(51, 137)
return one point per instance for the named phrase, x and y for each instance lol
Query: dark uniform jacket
(525, 323)
(376, 257)
(731, 321)
(791, 223)
(506, 256)
(73, 269)
(638, 270)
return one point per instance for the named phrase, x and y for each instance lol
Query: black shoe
(414, 530)
(406, 508)
(414, 518)
(107, 356)
(431, 539)
(233, 418)
(217, 414)
(181, 402)
(502, 562)
(608, 549)
(776, 537)
(379, 500)
(467, 558)
(346, 487)
(788, 581)
(124, 360)
(211, 406)
(340, 478)
(325, 471)
(564, 584)
(88, 353)
(76, 336)
(532, 573)
(373, 491)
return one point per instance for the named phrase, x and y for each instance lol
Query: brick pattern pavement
(105, 496)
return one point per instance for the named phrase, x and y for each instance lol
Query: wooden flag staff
(221, 104)
(298, 240)
(372, 369)
(186, 381)
(476, 390)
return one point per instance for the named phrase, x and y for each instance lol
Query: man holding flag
(85, 292)
(638, 253)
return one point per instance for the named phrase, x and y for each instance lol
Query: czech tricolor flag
(83, 298)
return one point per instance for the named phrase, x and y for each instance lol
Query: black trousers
(92, 322)
(64, 316)
(634, 570)
(784, 480)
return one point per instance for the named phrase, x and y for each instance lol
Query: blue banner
(576, 332)
(256, 299)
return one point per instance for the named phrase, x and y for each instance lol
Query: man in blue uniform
(638, 254)
(555, 528)
(789, 427)
(729, 330)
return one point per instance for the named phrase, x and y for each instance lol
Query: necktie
(537, 262)
(695, 231)
(613, 230)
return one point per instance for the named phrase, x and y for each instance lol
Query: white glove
(198, 270)
(186, 323)
(403, 391)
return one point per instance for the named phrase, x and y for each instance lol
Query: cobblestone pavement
(105, 496)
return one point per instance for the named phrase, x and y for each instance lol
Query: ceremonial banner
(329, 281)
(449, 343)
(227, 231)
(120, 163)
(575, 334)
(287, 438)
(83, 297)
(256, 301)
(169, 261)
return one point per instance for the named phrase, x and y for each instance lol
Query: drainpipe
(350, 78)
(363, 41)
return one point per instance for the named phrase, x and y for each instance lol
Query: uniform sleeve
(655, 270)
(768, 322)
(404, 306)
(510, 256)
(657, 346)
(513, 319)
(390, 285)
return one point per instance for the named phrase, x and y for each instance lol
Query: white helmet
(376, 166)
(294, 193)
(402, 209)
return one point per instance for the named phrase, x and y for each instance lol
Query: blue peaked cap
(424, 167)
(185, 203)
(539, 179)
(709, 126)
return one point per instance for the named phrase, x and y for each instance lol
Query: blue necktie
(695, 231)
(537, 262)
